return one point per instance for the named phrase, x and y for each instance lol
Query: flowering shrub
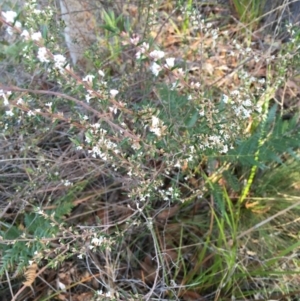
(176, 144)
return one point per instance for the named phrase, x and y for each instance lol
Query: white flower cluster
(89, 79)
(43, 55)
(242, 106)
(155, 56)
(157, 67)
(10, 17)
(107, 294)
(5, 96)
(101, 146)
(67, 183)
(157, 126)
(146, 188)
(142, 50)
(98, 241)
(59, 62)
(170, 194)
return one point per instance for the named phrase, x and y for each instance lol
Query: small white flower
(37, 11)
(30, 113)
(144, 47)
(134, 40)
(96, 125)
(246, 113)
(9, 113)
(113, 92)
(136, 145)
(235, 92)
(60, 285)
(97, 241)
(36, 36)
(4, 95)
(88, 97)
(155, 121)
(157, 54)
(10, 31)
(42, 55)
(9, 16)
(225, 98)
(48, 104)
(99, 293)
(170, 62)
(25, 35)
(225, 149)
(202, 113)
(101, 73)
(138, 55)
(247, 103)
(258, 109)
(156, 131)
(18, 25)
(155, 68)
(89, 78)
(156, 126)
(197, 85)
(113, 110)
(67, 183)
(20, 101)
(59, 61)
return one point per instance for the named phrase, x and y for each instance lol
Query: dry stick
(81, 103)
(109, 271)
(5, 209)
(149, 222)
(9, 284)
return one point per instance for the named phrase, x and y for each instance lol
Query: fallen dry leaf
(191, 296)
(165, 214)
(148, 272)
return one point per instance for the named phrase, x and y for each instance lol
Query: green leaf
(191, 121)
(232, 180)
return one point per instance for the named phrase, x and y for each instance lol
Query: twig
(150, 226)
(9, 284)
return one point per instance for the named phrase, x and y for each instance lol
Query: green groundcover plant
(145, 160)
